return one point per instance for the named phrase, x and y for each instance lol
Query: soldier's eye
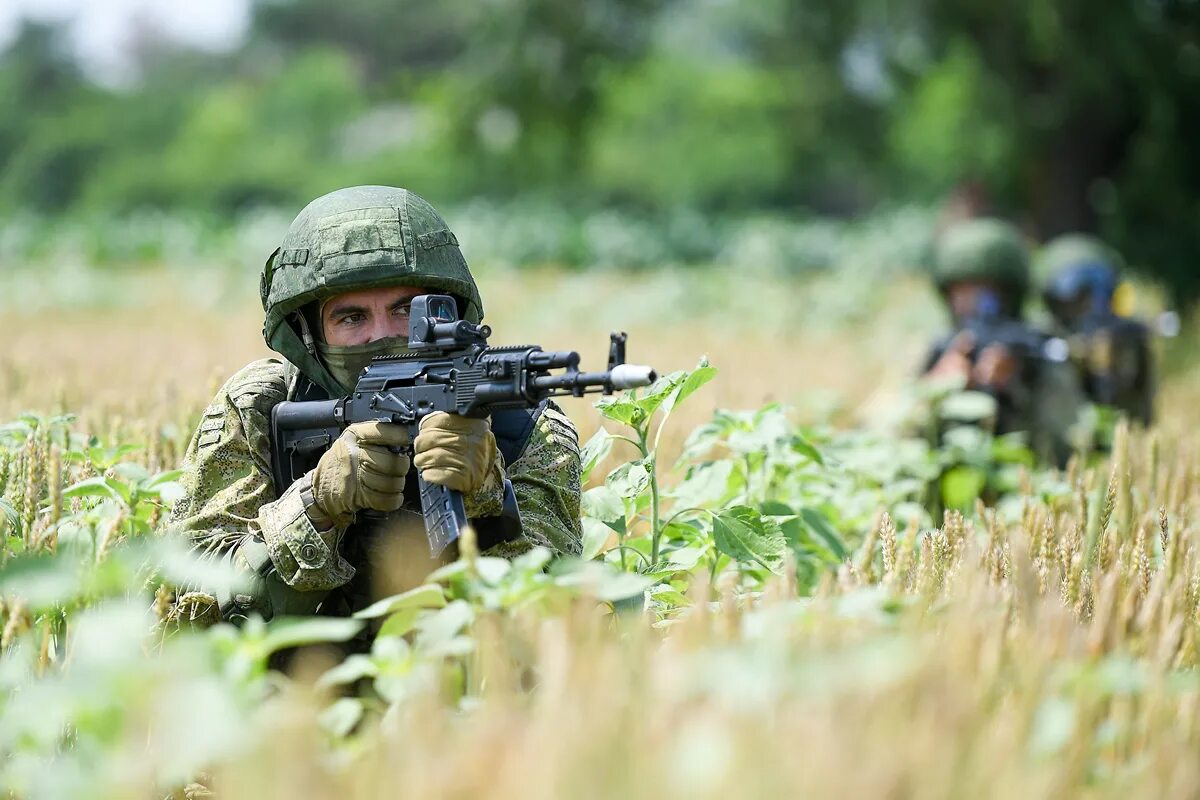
(354, 319)
(402, 311)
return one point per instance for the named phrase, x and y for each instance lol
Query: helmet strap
(305, 333)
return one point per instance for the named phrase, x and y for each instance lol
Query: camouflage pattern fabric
(1044, 402)
(230, 506)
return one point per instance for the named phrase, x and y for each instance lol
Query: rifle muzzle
(629, 376)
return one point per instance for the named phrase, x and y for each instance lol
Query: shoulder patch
(212, 424)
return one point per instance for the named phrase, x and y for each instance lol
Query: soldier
(1082, 290)
(982, 271)
(336, 294)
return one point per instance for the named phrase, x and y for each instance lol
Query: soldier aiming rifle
(317, 522)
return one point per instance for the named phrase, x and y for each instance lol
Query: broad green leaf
(703, 438)
(961, 486)
(492, 570)
(744, 534)
(615, 586)
(400, 623)
(658, 392)
(767, 431)
(806, 449)
(595, 450)
(131, 472)
(169, 476)
(455, 647)
(286, 632)
(628, 480)
(623, 409)
(702, 374)
(98, 486)
(595, 537)
(689, 533)
(104, 458)
(668, 595)
(431, 595)
(709, 485)
(354, 668)
(446, 574)
(969, 406)
(774, 508)
(685, 558)
(42, 581)
(169, 493)
(15, 431)
(602, 503)
(533, 560)
(818, 524)
(441, 626)
(1012, 449)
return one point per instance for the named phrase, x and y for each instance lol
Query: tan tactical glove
(359, 472)
(457, 452)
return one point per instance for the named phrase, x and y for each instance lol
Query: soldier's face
(967, 297)
(368, 315)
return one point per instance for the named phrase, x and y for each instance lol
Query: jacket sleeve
(546, 481)
(229, 510)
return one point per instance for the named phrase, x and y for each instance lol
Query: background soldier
(1082, 290)
(982, 271)
(336, 294)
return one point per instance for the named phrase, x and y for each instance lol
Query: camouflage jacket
(232, 512)
(1044, 402)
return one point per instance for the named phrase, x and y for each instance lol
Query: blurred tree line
(1066, 115)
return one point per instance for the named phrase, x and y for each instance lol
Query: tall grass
(1044, 648)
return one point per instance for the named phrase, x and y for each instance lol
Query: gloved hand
(359, 472)
(457, 452)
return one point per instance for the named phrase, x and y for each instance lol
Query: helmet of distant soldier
(361, 237)
(984, 251)
(1076, 267)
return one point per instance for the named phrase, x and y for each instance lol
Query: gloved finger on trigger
(429, 441)
(440, 420)
(453, 458)
(380, 459)
(387, 434)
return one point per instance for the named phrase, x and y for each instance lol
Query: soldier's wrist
(320, 519)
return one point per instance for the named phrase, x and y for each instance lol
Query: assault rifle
(987, 326)
(449, 367)
(1114, 356)
(1026, 344)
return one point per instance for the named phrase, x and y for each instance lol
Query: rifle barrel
(623, 376)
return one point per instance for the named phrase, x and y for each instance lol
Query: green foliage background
(1070, 115)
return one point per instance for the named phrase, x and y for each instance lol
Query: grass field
(1046, 649)
(153, 346)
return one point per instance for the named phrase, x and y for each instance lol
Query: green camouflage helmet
(988, 250)
(361, 237)
(1073, 250)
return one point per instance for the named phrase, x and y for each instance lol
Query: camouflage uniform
(1044, 400)
(364, 237)
(1112, 352)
